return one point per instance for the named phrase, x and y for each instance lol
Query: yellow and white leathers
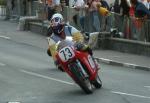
(69, 31)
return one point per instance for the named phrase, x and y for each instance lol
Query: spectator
(125, 7)
(147, 4)
(116, 18)
(57, 6)
(64, 2)
(67, 2)
(140, 9)
(78, 5)
(104, 20)
(131, 12)
(50, 9)
(94, 15)
(53, 6)
(147, 24)
(124, 11)
(104, 4)
(116, 7)
(143, 13)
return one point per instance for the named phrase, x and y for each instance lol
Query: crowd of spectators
(126, 9)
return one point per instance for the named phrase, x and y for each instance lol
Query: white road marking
(5, 37)
(46, 77)
(133, 95)
(2, 64)
(147, 87)
(130, 65)
(104, 60)
(14, 102)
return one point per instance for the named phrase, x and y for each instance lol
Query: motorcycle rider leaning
(59, 31)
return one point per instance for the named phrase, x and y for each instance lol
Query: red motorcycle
(79, 65)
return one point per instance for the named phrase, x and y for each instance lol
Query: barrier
(68, 14)
(146, 30)
(129, 27)
(2, 12)
(140, 29)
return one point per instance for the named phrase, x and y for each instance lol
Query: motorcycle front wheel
(97, 82)
(81, 80)
(86, 86)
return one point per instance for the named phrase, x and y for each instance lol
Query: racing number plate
(66, 53)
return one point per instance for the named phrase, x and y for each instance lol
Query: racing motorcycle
(79, 65)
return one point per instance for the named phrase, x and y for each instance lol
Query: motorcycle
(79, 65)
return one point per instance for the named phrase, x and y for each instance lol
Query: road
(28, 75)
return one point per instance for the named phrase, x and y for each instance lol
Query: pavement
(123, 59)
(103, 56)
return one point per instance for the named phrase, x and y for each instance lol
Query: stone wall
(129, 46)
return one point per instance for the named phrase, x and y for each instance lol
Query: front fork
(82, 69)
(78, 71)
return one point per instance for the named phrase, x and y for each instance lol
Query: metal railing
(131, 28)
(139, 29)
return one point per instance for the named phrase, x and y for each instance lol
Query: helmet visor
(56, 21)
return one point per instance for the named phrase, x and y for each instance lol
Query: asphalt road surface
(28, 75)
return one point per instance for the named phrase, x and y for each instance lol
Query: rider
(59, 31)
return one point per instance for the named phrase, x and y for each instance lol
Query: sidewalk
(123, 59)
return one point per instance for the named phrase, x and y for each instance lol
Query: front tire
(86, 86)
(97, 82)
(81, 80)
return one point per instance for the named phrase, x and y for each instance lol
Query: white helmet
(57, 15)
(57, 23)
(57, 19)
